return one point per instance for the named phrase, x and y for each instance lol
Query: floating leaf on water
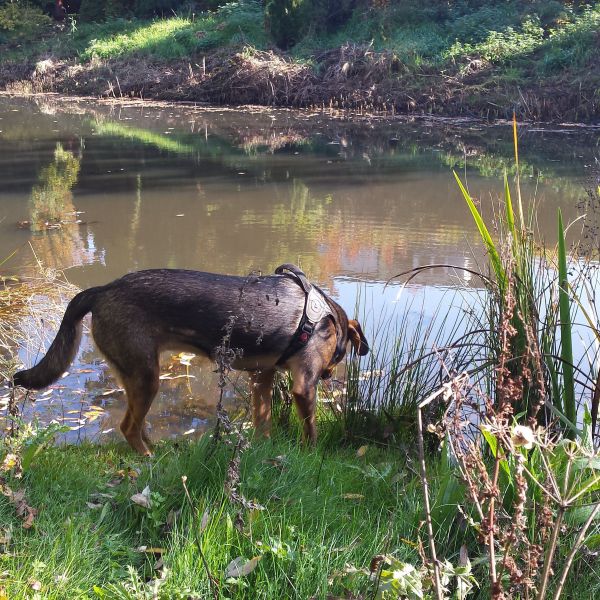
(112, 391)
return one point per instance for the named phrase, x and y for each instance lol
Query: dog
(261, 323)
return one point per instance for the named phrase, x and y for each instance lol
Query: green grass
(308, 531)
(480, 58)
(177, 37)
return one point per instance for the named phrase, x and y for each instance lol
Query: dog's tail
(63, 349)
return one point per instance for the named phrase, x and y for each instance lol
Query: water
(97, 190)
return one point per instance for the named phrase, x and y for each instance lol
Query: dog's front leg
(304, 391)
(262, 395)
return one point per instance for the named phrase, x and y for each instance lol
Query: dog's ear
(357, 338)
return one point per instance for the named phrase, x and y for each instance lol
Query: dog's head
(348, 331)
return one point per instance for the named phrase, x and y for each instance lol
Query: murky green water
(97, 190)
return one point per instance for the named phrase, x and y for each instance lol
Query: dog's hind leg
(141, 387)
(133, 353)
(262, 395)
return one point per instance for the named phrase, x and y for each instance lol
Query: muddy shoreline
(347, 79)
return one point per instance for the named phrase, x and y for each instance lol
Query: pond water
(97, 189)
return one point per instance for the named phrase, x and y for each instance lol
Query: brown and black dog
(262, 319)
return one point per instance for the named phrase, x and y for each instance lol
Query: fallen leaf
(150, 550)
(362, 451)
(5, 537)
(112, 391)
(204, 521)
(94, 505)
(97, 496)
(352, 496)
(143, 499)
(173, 514)
(25, 512)
(278, 462)
(9, 462)
(239, 567)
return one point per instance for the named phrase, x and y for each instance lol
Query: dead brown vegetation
(353, 76)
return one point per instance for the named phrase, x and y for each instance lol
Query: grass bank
(457, 58)
(323, 511)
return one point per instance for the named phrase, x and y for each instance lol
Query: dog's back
(201, 309)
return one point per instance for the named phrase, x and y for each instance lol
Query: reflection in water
(51, 201)
(236, 191)
(53, 217)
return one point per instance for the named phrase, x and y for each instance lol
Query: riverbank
(475, 61)
(315, 515)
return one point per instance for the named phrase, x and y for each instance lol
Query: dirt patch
(350, 77)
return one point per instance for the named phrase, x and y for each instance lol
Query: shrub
(290, 20)
(21, 20)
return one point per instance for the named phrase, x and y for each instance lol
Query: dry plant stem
(550, 553)
(436, 571)
(574, 550)
(211, 580)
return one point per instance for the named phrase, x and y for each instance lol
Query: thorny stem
(574, 550)
(211, 580)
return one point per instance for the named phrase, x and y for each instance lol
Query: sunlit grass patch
(145, 38)
(179, 37)
(324, 510)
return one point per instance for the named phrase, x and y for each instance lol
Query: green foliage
(88, 537)
(291, 20)
(502, 45)
(566, 333)
(21, 20)
(175, 37)
(92, 10)
(287, 20)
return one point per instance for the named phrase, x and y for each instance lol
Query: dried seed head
(523, 436)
